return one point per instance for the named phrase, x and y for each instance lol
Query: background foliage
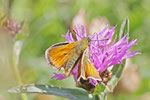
(46, 20)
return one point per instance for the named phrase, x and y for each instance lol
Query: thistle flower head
(12, 26)
(103, 54)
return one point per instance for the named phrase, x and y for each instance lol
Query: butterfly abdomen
(70, 64)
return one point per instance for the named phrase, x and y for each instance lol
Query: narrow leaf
(124, 28)
(115, 77)
(73, 94)
(118, 69)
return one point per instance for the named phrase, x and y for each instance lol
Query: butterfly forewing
(58, 54)
(64, 56)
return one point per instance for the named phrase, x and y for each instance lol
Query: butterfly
(67, 55)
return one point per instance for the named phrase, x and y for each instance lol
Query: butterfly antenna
(101, 39)
(77, 34)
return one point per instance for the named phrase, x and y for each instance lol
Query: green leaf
(116, 74)
(124, 28)
(99, 88)
(73, 94)
(118, 69)
(20, 36)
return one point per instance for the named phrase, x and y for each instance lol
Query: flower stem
(97, 97)
(103, 96)
(17, 73)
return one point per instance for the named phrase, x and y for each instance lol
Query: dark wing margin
(47, 56)
(57, 55)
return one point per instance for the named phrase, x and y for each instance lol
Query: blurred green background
(46, 20)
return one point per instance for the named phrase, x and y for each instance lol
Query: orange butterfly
(67, 55)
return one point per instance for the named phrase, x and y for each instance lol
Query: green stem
(17, 73)
(97, 97)
(103, 96)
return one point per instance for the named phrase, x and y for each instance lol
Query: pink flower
(103, 54)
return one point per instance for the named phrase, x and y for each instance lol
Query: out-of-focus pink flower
(105, 53)
(12, 26)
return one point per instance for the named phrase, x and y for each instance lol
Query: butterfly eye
(89, 41)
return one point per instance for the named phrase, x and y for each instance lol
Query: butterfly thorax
(83, 44)
(86, 40)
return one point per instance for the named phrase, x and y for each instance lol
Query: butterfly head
(88, 40)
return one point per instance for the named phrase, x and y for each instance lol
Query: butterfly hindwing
(86, 69)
